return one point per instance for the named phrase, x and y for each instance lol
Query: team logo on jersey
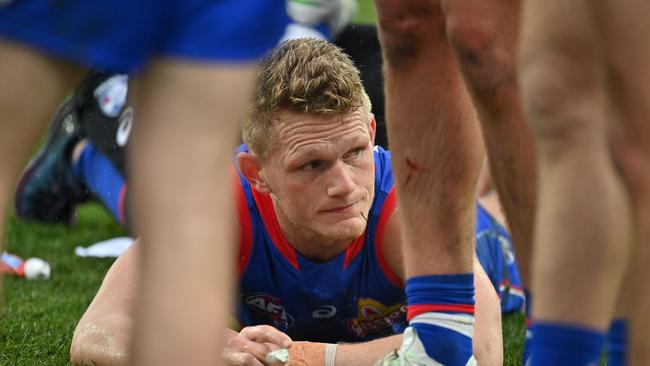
(270, 307)
(324, 312)
(111, 95)
(124, 127)
(373, 316)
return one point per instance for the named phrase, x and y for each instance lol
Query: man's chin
(347, 230)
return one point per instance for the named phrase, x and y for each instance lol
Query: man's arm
(487, 341)
(103, 333)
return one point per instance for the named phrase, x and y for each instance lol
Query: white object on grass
(107, 248)
(36, 268)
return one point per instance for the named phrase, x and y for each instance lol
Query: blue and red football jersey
(353, 297)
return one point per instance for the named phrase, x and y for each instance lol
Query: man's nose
(340, 180)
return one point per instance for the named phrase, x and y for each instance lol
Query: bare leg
(583, 218)
(437, 155)
(623, 27)
(484, 36)
(434, 137)
(186, 132)
(32, 86)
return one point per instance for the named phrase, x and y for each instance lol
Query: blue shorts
(120, 35)
(497, 256)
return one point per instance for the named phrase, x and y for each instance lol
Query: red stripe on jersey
(386, 212)
(353, 249)
(267, 211)
(415, 310)
(245, 226)
(120, 205)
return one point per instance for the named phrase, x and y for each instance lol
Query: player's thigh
(32, 86)
(196, 99)
(557, 31)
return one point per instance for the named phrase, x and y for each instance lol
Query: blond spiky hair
(303, 76)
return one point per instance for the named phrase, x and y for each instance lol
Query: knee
(405, 28)
(485, 56)
(560, 102)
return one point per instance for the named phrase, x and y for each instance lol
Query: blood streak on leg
(411, 168)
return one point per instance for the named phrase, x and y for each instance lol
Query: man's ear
(372, 128)
(250, 168)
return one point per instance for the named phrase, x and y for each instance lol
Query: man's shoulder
(383, 170)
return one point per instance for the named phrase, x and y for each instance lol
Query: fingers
(231, 358)
(266, 334)
(252, 344)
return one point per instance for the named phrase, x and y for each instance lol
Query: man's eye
(355, 152)
(311, 165)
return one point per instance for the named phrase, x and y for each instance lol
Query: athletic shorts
(497, 256)
(120, 35)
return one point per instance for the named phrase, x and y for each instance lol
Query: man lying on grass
(319, 255)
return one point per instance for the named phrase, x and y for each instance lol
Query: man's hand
(251, 345)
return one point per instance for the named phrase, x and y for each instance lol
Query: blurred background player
(200, 59)
(585, 84)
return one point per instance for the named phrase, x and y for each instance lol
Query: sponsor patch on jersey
(111, 95)
(270, 307)
(373, 316)
(324, 312)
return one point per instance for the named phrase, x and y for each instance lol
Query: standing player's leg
(26, 77)
(179, 155)
(437, 154)
(583, 217)
(483, 35)
(624, 28)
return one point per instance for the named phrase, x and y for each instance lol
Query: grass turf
(40, 316)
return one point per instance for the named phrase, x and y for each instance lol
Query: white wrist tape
(330, 354)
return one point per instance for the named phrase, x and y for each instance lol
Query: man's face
(321, 174)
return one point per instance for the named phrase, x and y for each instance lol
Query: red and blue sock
(102, 178)
(566, 344)
(441, 310)
(617, 338)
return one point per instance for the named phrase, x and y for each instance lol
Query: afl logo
(124, 128)
(324, 312)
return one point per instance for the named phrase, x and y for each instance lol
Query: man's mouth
(342, 209)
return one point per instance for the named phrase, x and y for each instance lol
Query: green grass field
(40, 316)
